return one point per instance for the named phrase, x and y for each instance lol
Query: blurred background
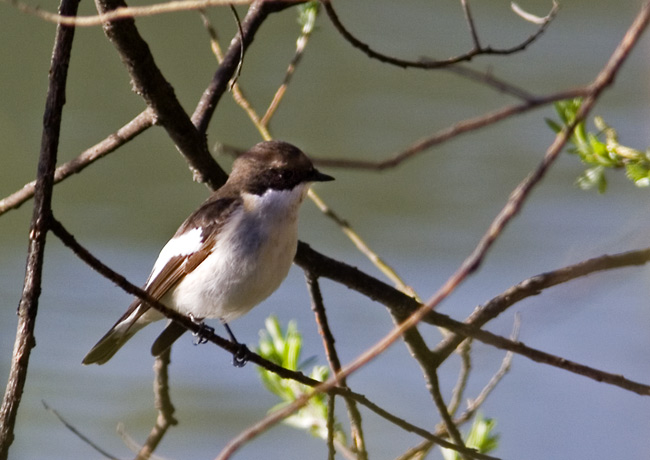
(424, 217)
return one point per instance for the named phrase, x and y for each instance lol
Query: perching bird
(231, 253)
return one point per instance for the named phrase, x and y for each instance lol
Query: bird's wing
(189, 247)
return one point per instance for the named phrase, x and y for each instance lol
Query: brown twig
(535, 285)
(464, 350)
(163, 404)
(470, 23)
(129, 131)
(78, 433)
(318, 307)
(301, 45)
(433, 63)
(447, 419)
(331, 450)
(28, 306)
(465, 126)
(127, 12)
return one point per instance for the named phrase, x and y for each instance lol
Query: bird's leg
(240, 357)
(200, 335)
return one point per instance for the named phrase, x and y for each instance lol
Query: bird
(230, 254)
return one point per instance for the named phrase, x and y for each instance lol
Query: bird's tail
(130, 323)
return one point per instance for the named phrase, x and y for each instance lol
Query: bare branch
(470, 23)
(163, 403)
(126, 12)
(149, 82)
(39, 226)
(129, 131)
(450, 426)
(78, 433)
(465, 126)
(426, 63)
(318, 307)
(464, 350)
(535, 285)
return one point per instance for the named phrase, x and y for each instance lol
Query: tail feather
(136, 317)
(108, 345)
(167, 337)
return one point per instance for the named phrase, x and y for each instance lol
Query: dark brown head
(274, 165)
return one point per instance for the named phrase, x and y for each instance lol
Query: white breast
(252, 256)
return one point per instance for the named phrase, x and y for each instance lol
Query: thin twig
(475, 403)
(448, 421)
(470, 23)
(362, 246)
(318, 307)
(464, 350)
(126, 12)
(301, 45)
(78, 433)
(462, 127)
(331, 450)
(425, 63)
(129, 131)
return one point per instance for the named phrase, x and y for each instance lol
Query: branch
(425, 63)
(148, 82)
(125, 12)
(129, 131)
(163, 404)
(146, 119)
(535, 285)
(318, 307)
(465, 126)
(28, 306)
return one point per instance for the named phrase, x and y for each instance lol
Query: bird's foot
(203, 332)
(240, 357)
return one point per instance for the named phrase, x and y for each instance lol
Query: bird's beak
(318, 176)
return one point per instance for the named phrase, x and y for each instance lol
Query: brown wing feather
(210, 216)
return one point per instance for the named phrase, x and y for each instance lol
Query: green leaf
(481, 437)
(598, 154)
(283, 348)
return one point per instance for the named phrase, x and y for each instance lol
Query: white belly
(250, 260)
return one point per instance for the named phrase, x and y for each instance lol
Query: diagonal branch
(148, 81)
(535, 285)
(129, 131)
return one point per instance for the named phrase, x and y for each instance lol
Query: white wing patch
(179, 246)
